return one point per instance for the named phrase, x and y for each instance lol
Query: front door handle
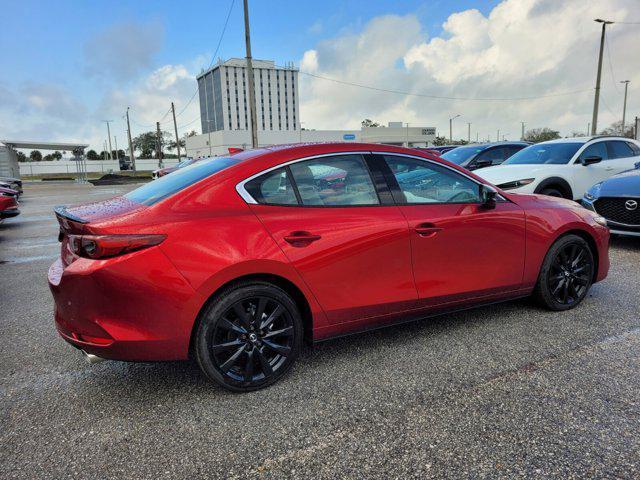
(301, 238)
(427, 230)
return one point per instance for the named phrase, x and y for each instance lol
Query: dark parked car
(12, 183)
(618, 200)
(483, 155)
(443, 148)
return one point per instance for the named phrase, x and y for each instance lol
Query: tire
(552, 192)
(566, 274)
(248, 336)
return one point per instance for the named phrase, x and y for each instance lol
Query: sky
(69, 65)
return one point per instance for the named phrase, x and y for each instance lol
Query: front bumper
(134, 307)
(614, 227)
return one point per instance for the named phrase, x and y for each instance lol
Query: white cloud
(522, 48)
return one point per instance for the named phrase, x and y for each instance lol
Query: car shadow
(624, 242)
(142, 381)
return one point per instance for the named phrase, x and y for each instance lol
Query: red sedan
(236, 261)
(8, 205)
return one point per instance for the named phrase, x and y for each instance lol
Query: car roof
(587, 139)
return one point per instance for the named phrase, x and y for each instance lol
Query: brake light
(106, 246)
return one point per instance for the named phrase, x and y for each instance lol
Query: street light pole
(109, 136)
(468, 132)
(624, 107)
(131, 154)
(252, 92)
(175, 126)
(596, 100)
(522, 137)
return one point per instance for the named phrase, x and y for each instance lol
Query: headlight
(516, 184)
(593, 192)
(601, 220)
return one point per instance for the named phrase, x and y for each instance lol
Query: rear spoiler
(61, 212)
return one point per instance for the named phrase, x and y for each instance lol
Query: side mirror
(488, 196)
(590, 160)
(482, 163)
(637, 165)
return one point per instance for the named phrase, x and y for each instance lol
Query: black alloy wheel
(250, 337)
(567, 273)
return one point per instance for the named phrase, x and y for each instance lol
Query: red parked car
(236, 261)
(8, 205)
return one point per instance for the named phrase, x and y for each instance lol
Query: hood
(625, 184)
(99, 211)
(509, 173)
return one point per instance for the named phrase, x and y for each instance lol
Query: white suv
(567, 167)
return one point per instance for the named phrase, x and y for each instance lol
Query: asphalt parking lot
(503, 391)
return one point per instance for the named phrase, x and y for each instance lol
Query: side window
(272, 188)
(635, 148)
(619, 149)
(495, 155)
(426, 182)
(595, 150)
(514, 149)
(334, 181)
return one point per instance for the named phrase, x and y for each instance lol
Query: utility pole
(159, 145)
(498, 136)
(468, 132)
(131, 154)
(624, 105)
(588, 129)
(117, 154)
(522, 137)
(637, 129)
(105, 151)
(477, 136)
(596, 100)
(175, 126)
(451, 128)
(252, 92)
(109, 136)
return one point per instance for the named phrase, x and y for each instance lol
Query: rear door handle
(427, 230)
(301, 238)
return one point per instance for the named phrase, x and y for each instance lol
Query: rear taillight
(106, 246)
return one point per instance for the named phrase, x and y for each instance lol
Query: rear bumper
(135, 307)
(12, 212)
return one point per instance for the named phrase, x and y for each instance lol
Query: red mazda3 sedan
(236, 261)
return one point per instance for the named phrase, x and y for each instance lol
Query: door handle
(301, 238)
(608, 169)
(427, 230)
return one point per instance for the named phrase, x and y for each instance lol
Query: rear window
(165, 186)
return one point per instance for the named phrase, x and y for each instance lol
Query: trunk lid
(83, 220)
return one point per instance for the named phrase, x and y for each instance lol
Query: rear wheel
(566, 274)
(249, 337)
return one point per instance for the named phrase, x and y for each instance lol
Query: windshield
(461, 154)
(163, 187)
(555, 153)
(185, 163)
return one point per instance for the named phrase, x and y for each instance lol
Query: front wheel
(249, 336)
(566, 274)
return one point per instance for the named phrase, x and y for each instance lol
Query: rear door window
(273, 188)
(338, 180)
(619, 149)
(634, 148)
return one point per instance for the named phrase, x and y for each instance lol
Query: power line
(613, 77)
(443, 97)
(224, 29)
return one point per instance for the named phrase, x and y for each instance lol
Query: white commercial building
(219, 142)
(224, 101)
